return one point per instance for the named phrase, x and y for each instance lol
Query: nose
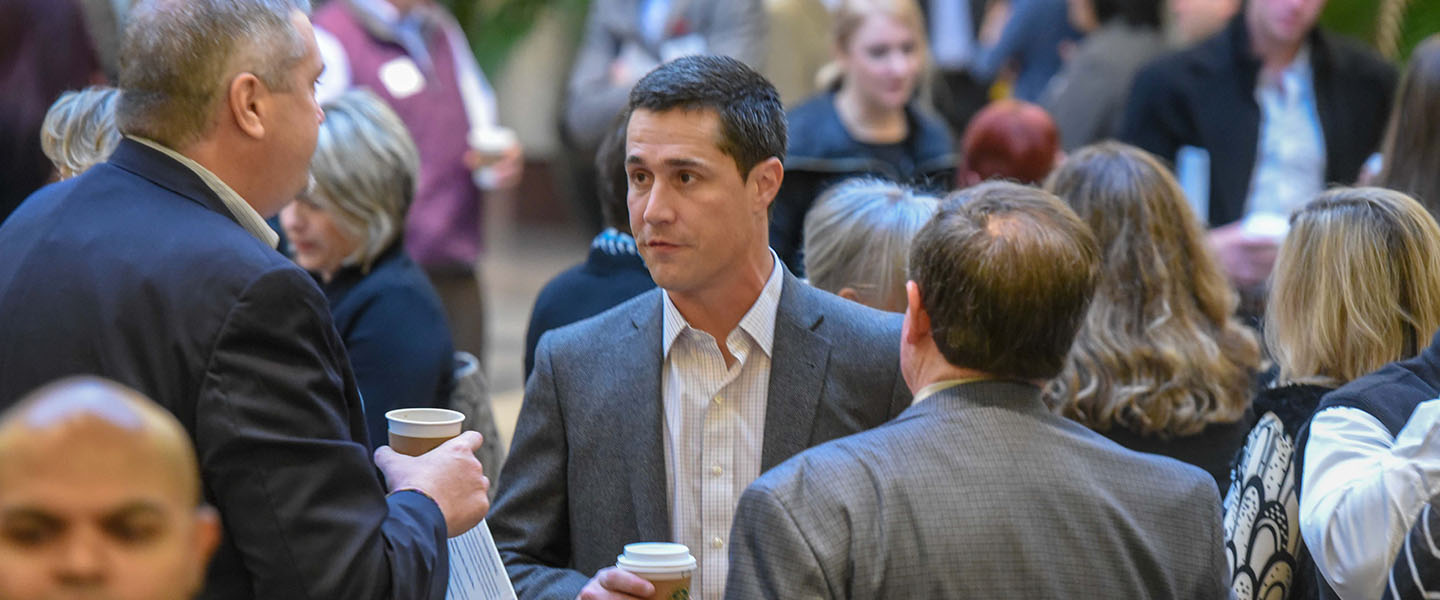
(659, 204)
(83, 560)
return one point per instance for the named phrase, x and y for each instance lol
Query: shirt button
(719, 400)
(717, 471)
(717, 543)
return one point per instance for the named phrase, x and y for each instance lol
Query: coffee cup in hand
(667, 566)
(415, 431)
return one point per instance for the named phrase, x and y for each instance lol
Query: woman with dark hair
(1411, 151)
(1160, 365)
(867, 124)
(1087, 97)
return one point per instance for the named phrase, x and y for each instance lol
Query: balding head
(99, 497)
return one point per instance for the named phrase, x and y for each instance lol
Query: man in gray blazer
(637, 425)
(978, 491)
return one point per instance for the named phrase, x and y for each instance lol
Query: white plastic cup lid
(425, 422)
(656, 558)
(493, 140)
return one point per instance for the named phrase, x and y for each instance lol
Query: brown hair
(1005, 272)
(1356, 285)
(1159, 352)
(1411, 151)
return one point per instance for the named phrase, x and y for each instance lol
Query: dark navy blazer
(137, 272)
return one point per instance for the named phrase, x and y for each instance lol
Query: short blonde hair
(79, 130)
(858, 236)
(1356, 286)
(366, 169)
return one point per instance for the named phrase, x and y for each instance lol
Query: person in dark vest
(1369, 469)
(413, 55)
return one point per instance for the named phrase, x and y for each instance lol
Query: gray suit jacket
(978, 492)
(586, 472)
(734, 28)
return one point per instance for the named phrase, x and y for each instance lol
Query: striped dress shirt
(714, 427)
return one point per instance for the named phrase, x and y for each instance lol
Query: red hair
(1009, 139)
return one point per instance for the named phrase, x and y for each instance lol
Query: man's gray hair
(79, 130)
(858, 236)
(178, 57)
(365, 170)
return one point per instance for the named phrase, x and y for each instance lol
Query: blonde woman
(1160, 365)
(1356, 285)
(866, 123)
(857, 239)
(79, 130)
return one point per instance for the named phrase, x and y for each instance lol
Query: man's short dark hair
(752, 120)
(1006, 273)
(1136, 13)
(614, 181)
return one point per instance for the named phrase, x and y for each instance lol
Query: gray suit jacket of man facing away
(978, 492)
(586, 472)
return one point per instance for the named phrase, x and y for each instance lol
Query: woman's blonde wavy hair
(1356, 285)
(1159, 352)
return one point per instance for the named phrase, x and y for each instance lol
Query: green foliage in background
(1360, 19)
(496, 26)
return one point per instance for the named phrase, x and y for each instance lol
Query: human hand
(449, 475)
(1246, 257)
(505, 168)
(612, 583)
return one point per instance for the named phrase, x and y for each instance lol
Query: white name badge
(402, 78)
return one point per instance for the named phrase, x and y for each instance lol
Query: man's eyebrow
(28, 512)
(684, 163)
(135, 508)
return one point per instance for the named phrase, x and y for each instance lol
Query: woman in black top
(346, 232)
(866, 124)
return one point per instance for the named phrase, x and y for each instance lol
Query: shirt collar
(243, 212)
(759, 321)
(940, 386)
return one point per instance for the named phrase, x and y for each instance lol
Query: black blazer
(1205, 97)
(137, 272)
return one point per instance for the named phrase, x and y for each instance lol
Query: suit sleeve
(1214, 582)
(1149, 120)
(592, 102)
(299, 497)
(531, 517)
(1013, 36)
(770, 556)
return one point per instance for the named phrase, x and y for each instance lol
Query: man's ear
(917, 321)
(766, 177)
(245, 96)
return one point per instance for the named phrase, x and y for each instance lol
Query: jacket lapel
(797, 374)
(644, 446)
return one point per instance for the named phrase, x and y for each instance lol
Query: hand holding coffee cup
(495, 158)
(666, 566)
(431, 456)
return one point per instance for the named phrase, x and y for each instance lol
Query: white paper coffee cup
(415, 431)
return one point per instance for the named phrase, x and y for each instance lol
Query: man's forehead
(694, 133)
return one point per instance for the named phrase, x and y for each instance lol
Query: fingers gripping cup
(415, 431)
(667, 566)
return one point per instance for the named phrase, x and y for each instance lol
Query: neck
(717, 310)
(1275, 55)
(231, 168)
(929, 367)
(867, 122)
